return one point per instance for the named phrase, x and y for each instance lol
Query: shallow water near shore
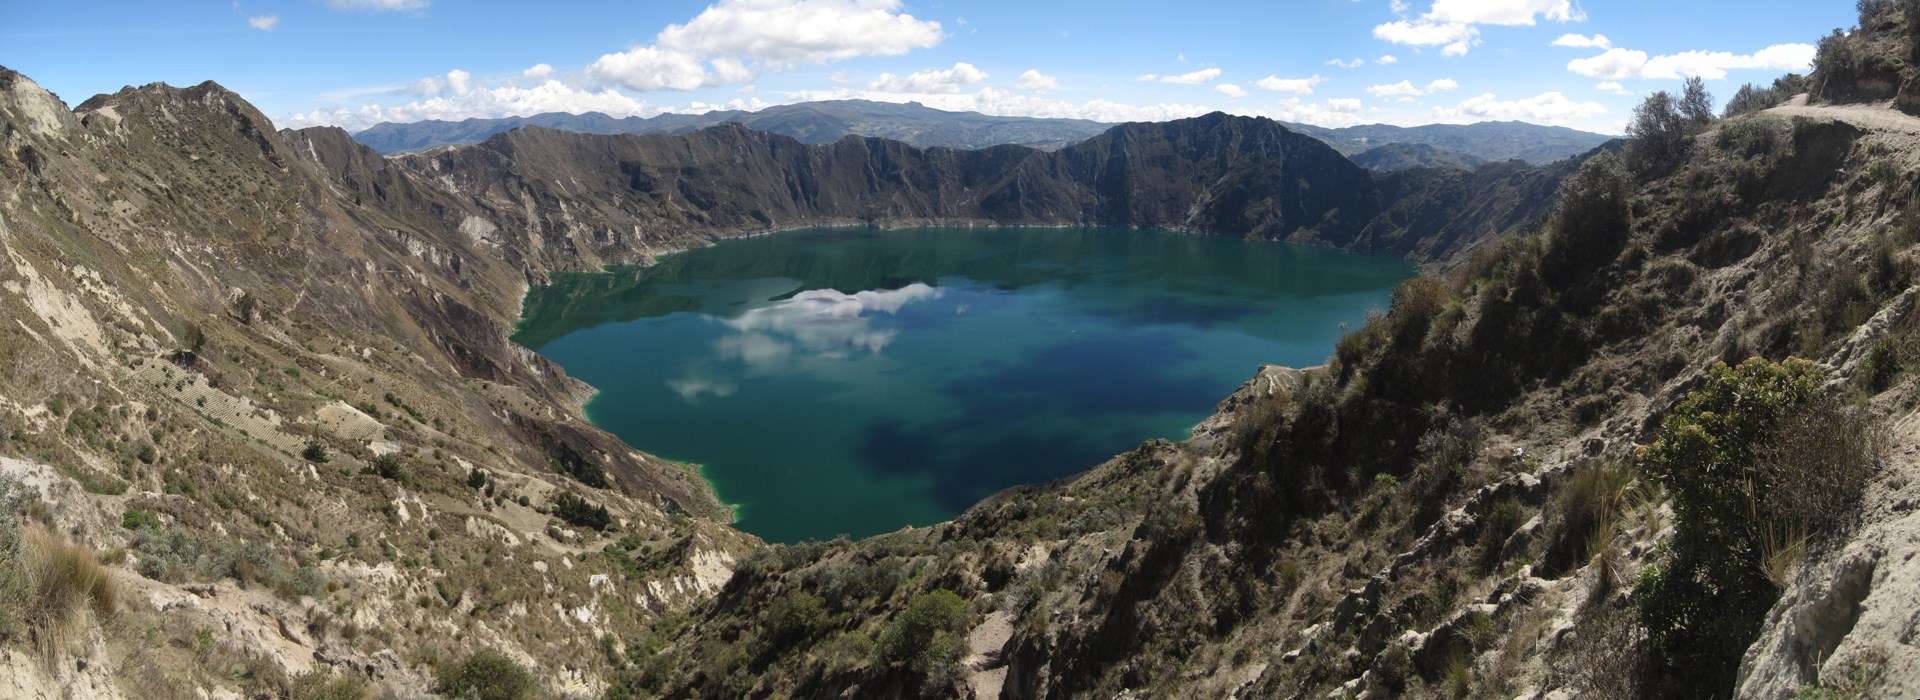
(855, 381)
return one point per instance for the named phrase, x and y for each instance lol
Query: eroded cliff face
(594, 199)
(289, 360)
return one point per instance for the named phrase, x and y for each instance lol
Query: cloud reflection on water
(795, 335)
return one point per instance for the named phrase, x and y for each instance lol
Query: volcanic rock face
(593, 199)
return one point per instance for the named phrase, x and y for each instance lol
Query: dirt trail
(1876, 116)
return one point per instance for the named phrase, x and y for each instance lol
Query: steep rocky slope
(239, 356)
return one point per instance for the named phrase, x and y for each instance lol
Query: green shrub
(136, 518)
(1704, 606)
(796, 618)
(486, 675)
(928, 634)
(575, 510)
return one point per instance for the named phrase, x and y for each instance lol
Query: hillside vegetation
(1645, 430)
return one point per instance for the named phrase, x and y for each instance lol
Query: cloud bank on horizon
(1451, 61)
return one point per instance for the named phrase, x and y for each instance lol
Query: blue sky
(354, 63)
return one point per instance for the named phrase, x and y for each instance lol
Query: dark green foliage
(928, 633)
(1751, 98)
(476, 479)
(486, 675)
(385, 466)
(1659, 133)
(582, 472)
(314, 452)
(1704, 606)
(1882, 366)
(796, 618)
(575, 510)
(136, 518)
(146, 453)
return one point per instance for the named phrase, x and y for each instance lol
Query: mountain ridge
(811, 122)
(828, 120)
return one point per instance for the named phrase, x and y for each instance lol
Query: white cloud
(1579, 41)
(840, 76)
(1387, 60)
(1503, 12)
(1449, 24)
(1547, 107)
(481, 102)
(1613, 87)
(539, 71)
(1353, 63)
(1007, 103)
(734, 40)
(746, 89)
(1406, 88)
(1195, 78)
(930, 80)
(459, 81)
(1619, 64)
(1456, 37)
(1148, 77)
(749, 104)
(1297, 86)
(379, 5)
(1034, 80)
(1400, 88)
(1332, 114)
(425, 87)
(264, 23)
(1230, 90)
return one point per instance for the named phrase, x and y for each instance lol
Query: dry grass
(55, 582)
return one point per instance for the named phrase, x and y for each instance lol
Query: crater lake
(855, 381)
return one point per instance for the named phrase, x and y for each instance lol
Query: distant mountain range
(810, 122)
(1407, 156)
(1487, 141)
(924, 127)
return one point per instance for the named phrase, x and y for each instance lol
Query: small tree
(314, 452)
(1696, 105)
(1659, 135)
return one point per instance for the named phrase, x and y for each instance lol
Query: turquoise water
(855, 381)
